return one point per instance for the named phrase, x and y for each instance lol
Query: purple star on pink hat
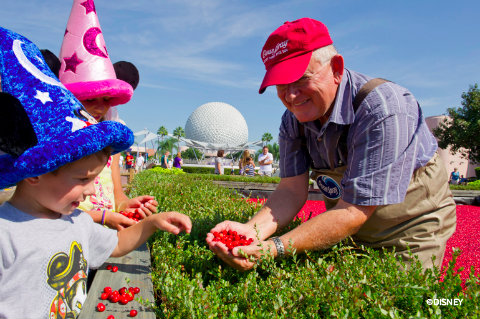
(72, 62)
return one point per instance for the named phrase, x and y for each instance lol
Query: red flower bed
(466, 237)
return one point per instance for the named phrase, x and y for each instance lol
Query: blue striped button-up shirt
(382, 143)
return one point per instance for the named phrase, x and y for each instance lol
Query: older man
(265, 161)
(368, 147)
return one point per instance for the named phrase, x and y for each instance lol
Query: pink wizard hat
(86, 69)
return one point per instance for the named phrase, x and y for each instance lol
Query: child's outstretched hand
(145, 205)
(118, 221)
(173, 222)
(132, 237)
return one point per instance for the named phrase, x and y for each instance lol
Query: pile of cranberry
(123, 296)
(132, 215)
(231, 239)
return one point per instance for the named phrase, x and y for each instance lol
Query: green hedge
(343, 282)
(208, 173)
(237, 178)
(205, 170)
(198, 170)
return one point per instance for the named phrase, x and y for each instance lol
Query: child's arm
(111, 219)
(132, 237)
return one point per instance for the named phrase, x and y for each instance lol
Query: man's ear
(337, 68)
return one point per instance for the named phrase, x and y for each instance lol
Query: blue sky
(190, 52)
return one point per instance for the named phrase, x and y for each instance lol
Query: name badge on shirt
(329, 187)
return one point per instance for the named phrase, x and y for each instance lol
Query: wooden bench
(134, 267)
(127, 176)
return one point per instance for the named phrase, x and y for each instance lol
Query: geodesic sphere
(218, 123)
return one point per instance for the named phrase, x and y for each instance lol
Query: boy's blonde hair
(102, 155)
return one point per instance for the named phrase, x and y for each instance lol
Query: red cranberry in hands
(231, 239)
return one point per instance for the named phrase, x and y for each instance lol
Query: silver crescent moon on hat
(30, 67)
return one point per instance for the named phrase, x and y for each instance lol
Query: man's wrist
(279, 246)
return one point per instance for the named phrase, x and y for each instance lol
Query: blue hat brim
(50, 155)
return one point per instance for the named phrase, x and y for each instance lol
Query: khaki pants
(424, 221)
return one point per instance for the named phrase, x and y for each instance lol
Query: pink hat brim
(119, 91)
(286, 71)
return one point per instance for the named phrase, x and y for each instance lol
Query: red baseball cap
(288, 50)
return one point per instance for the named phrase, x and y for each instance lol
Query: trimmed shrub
(169, 171)
(477, 172)
(207, 170)
(238, 178)
(474, 185)
(198, 170)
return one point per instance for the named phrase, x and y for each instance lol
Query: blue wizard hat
(42, 125)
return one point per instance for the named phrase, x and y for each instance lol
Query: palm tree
(162, 131)
(192, 153)
(266, 137)
(275, 150)
(166, 145)
(178, 132)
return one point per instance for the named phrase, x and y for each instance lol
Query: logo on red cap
(280, 48)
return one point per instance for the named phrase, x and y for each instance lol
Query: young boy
(47, 245)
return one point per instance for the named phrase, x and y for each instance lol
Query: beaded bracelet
(103, 217)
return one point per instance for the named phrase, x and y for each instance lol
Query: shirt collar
(343, 113)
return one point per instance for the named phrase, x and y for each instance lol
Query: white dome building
(217, 123)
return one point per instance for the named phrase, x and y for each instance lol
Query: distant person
(177, 161)
(243, 162)
(121, 160)
(454, 176)
(129, 161)
(463, 180)
(265, 161)
(219, 162)
(250, 167)
(139, 163)
(164, 160)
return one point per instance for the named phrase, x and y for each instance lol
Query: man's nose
(291, 92)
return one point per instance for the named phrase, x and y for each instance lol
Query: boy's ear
(16, 131)
(32, 180)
